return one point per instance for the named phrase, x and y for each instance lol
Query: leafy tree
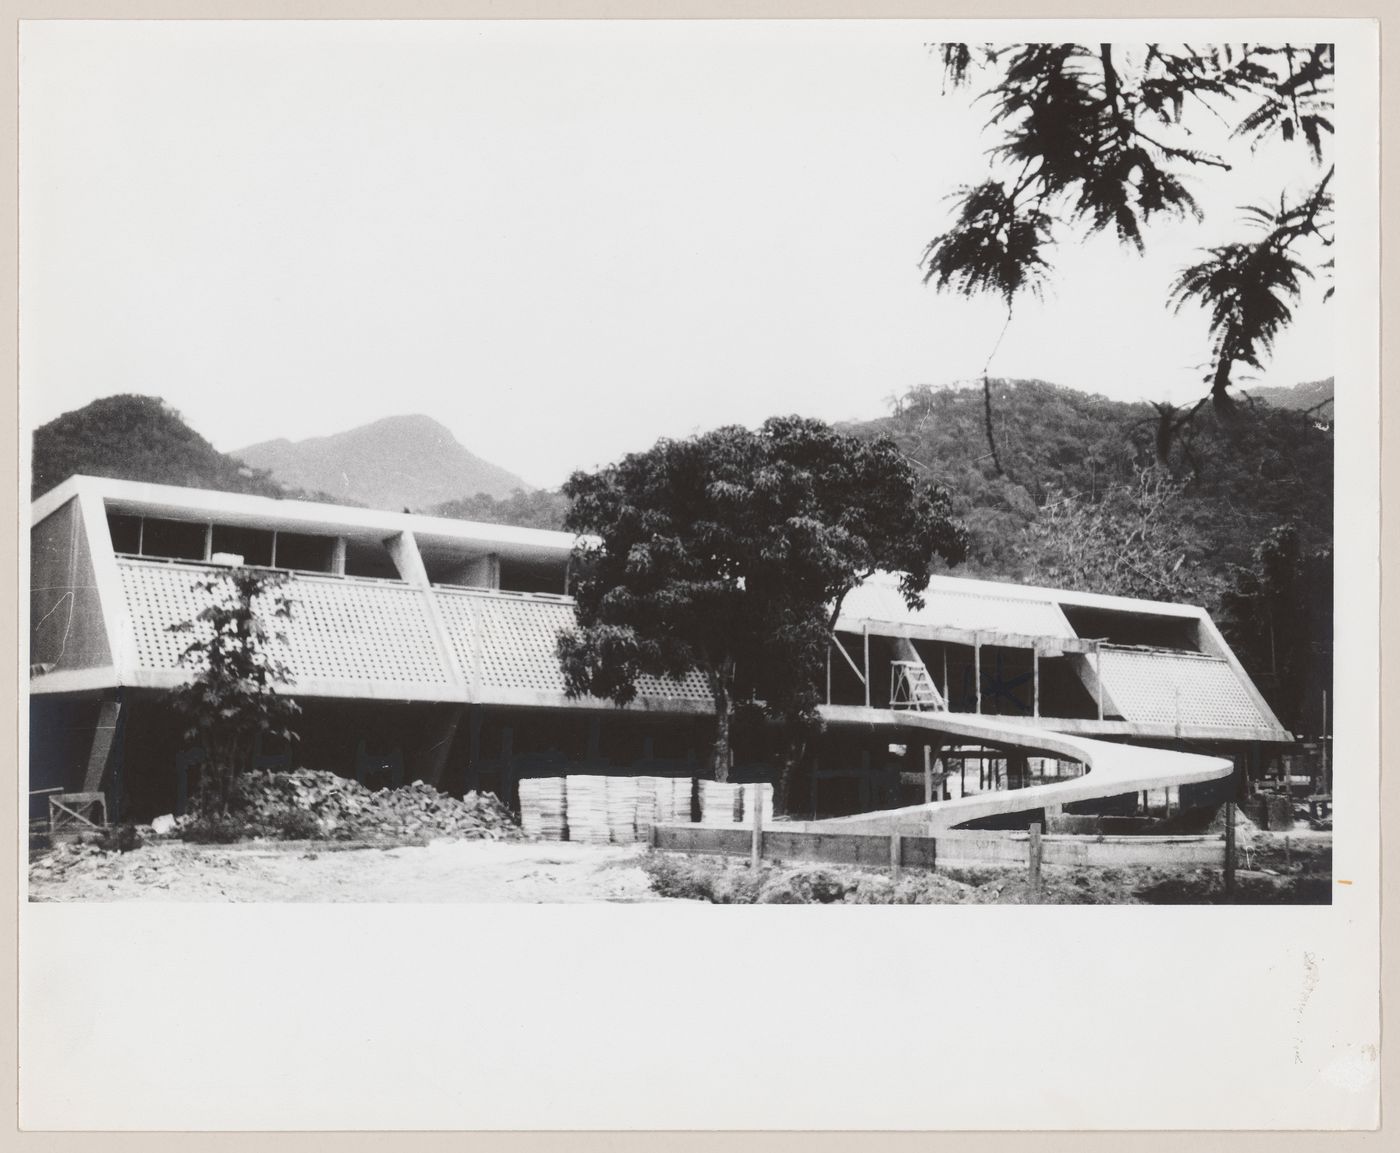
(1132, 543)
(234, 697)
(1102, 137)
(731, 552)
(1277, 613)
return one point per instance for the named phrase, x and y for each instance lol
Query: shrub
(120, 839)
(213, 829)
(294, 824)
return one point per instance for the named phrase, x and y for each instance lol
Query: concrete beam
(105, 752)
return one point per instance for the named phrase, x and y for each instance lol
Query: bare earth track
(533, 872)
(441, 871)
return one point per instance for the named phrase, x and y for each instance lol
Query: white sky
(561, 241)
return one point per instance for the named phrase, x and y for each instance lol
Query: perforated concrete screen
(340, 630)
(516, 638)
(1167, 688)
(879, 599)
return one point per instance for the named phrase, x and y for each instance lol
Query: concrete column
(403, 549)
(104, 754)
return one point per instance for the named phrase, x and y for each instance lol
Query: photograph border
(808, 1140)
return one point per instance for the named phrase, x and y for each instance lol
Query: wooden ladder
(912, 687)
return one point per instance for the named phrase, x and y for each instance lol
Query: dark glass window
(369, 560)
(254, 545)
(173, 539)
(126, 532)
(307, 553)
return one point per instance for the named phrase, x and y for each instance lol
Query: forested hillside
(537, 508)
(1240, 475)
(137, 438)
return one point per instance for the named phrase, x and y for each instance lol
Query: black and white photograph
(683, 464)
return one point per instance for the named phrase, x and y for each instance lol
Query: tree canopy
(1106, 138)
(730, 552)
(1278, 615)
(238, 691)
(1132, 542)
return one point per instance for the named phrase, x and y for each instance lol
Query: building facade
(424, 648)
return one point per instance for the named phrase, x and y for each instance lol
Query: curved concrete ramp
(1110, 769)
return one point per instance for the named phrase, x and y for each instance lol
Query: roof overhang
(246, 511)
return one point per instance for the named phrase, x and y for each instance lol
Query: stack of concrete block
(672, 800)
(621, 798)
(587, 809)
(719, 803)
(542, 808)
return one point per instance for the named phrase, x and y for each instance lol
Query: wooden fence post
(1035, 862)
(756, 853)
(896, 853)
(1229, 847)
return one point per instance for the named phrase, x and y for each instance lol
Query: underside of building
(425, 648)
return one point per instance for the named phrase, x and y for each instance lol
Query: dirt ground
(442, 871)
(1270, 872)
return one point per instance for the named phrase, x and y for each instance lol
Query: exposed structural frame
(428, 632)
(1106, 669)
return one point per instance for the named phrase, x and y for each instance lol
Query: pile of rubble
(64, 858)
(322, 804)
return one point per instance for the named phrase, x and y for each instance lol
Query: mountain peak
(406, 461)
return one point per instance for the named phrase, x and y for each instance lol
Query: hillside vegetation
(537, 508)
(1241, 474)
(141, 438)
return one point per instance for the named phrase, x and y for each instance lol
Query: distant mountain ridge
(1311, 394)
(399, 462)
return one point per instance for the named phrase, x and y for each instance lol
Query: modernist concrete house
(424, 647)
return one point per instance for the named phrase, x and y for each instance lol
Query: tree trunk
(987, 423)
(722, 754)
(1220, 397)
(793, 753)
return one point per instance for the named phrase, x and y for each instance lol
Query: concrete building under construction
(424, 647)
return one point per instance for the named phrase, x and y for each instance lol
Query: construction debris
(322, 804)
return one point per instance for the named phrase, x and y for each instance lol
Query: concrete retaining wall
(953, 847)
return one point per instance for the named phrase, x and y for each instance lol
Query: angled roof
(241, 509)
(968, 605)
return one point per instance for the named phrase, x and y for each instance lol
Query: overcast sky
(561, 241)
